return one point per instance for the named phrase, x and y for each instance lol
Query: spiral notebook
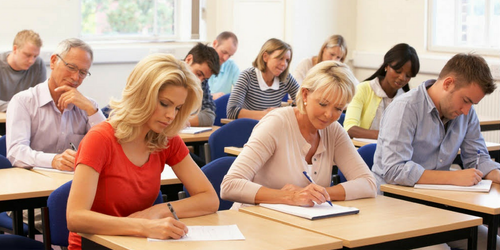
(315, 212)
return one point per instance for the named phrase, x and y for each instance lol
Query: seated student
(118, 166)
(422, 131)
(334, 48)
(43, 120)
(291, 140)
(226, 45)
(261, 88)
(372, 97)
(21, 68)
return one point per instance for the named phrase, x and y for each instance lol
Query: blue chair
(235, 134)
(285, 98)
(341, 119)
(10, 241)
(3, 145)
(55, 226)
(215, 172)
(106, 110)
(366, 152)
(220, 109)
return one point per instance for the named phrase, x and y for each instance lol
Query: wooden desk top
(381, 219)
(259, 234)
(487, 120)
(19, 183)
(226, 120)
(200, 137)
(233, 150)
(480, 202)
(168, 176)
(3, 117)
(490, 146)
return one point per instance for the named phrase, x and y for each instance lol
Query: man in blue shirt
(226, 45)
(422, 131)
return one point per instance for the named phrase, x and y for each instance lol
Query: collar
(263, 85)
(423, 88)
(46, 98)
(377, 88)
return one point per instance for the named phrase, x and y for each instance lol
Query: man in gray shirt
(21, 68)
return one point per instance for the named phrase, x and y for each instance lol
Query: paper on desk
(206, 233)
(482, 186)
(195, 130)
(53, 170)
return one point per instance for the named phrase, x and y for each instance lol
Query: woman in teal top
(377, 91)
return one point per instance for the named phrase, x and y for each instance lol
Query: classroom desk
(488, 123)
(226, 120)
(233, 150)
(485, 205)
(3, 117)
(385, 223)
(259, 233)
(200, 137)
(24, 189)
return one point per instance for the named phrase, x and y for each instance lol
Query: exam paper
(205, 233)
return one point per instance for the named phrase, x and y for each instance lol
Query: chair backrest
(235, 133)
(4, 162)
(341, 119)
(57, 226)
(366, 152)
(215, 172)
(56, 204)
(3, 145)
(220, 109)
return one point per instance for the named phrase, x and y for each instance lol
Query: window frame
(458, 49)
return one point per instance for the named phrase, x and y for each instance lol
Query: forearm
(86, 221)
(337, 192)
(493, 175)
(359, 132)
(252, 114)
(200, 204)
(437, 177)
(273, 196)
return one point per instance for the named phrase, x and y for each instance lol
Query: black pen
(172, 211)
(72, 146)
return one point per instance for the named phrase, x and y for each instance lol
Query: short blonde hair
(328, 77)
(24, 36)
(334, 41)
(269, 47)
(140, 99)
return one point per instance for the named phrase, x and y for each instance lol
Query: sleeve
(293, 87)
(235, 73)
(360, 180)
(300, 71)
(95, 150)
(206, 116)
(96, 118)
(355, 108)
(176, 151)
(238, 183)
(18, 126)
(473, 142)
(238, 94)
(397, 129)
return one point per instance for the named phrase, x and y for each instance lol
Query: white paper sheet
(206, 233)
(482, 186)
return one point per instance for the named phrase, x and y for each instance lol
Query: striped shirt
(247, 94)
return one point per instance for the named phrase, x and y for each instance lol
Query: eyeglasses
(73, 68)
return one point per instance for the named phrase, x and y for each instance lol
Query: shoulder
(103, 130)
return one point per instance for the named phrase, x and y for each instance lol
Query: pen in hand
(172, 211)
(311, 181)
(477, 159)
(72, 146)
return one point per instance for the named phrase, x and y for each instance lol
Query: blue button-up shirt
(226, 79)
(413, 138)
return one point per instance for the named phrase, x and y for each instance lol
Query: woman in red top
(119, 162)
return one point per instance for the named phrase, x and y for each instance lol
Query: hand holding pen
(311, 181)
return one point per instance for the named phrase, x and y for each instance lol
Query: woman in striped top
(262, 87)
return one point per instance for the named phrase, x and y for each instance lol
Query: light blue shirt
(412, 138)
(227, 77)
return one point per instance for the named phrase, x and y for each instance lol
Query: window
(145, 20)
(465, 25)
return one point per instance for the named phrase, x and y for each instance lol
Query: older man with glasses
(43, 121)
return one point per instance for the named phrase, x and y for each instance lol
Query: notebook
(316, 212)
(482, 186)
(195, 130)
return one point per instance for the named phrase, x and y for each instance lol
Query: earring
(305, 103)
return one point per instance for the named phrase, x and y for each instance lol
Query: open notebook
(195, 130)
(316, 212)
(482, 186)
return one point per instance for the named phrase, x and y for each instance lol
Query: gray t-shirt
(12, 81)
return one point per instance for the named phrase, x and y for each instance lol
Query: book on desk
(195, 130)
(317, 211)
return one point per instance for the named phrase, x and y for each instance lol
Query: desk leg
(472, 240)
(17, 222)
(493, 231)
(31, 223)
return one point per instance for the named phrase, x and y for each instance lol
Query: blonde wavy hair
(328, 77)
(140, 99)
(333, 41)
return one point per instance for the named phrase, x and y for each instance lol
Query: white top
(301, 70)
